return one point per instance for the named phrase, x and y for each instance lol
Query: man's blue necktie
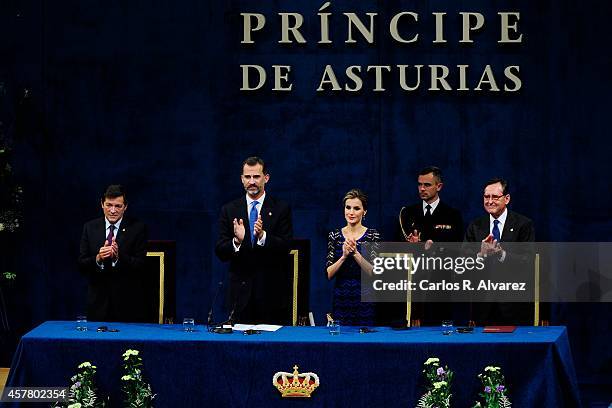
(496, 234)
(253, 220)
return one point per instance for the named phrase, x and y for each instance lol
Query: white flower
(432, 360)
(439, 384)
(1, 226)
(85, 364)
(129, 353)
(491, 368)
(127, 377)
(75, 405)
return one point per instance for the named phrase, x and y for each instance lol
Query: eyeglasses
(488, 197)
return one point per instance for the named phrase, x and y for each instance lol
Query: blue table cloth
(355, 369)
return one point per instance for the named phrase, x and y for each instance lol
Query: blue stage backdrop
(148, 94)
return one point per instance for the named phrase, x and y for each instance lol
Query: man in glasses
(499, 226)
(113, 258)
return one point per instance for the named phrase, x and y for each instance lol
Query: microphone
(212, 305)
(230, 319)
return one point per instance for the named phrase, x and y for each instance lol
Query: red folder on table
(499, 329)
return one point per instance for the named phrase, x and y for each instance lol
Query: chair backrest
(159, 283)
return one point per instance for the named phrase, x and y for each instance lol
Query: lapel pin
(123, 230)
(511, 229)
(269, 214)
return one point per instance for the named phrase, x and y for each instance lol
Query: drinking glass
(81, 323)
(189, 324)
(447, 327)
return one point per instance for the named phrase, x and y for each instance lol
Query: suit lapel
(123, 229)
(266, 211)
(100, 233)
(485, 226)
(509, 233)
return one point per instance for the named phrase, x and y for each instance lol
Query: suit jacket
(517, 228)
(444, 225)
(114, 292)
(257, 274)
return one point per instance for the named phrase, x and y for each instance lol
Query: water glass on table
(189, 324)
(81, 323)
(447, 327)
(334, 327)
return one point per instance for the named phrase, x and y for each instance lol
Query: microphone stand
(218, 328)
(209, 322)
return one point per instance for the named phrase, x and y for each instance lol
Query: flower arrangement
(82, 392)
(137, 391)
(11, 193)
(439, 380)
(9, 276)
(494, 391)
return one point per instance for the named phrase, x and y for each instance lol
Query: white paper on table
(262, 327)
(242, 327)
(267, 327)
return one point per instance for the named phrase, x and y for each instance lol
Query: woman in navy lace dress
(344, 262)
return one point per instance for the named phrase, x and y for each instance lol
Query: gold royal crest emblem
(296, 384)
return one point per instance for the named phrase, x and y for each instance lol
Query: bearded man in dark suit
(113, 258)
(255, 231)
(492, 230)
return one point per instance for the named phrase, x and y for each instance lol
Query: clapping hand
(258, 228)
(349, 247)
(105, 252)
(114, 249)
(415, 236)
(238, 231)
(490, 246)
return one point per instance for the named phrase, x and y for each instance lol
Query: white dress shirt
(249, 200)
(432, 205)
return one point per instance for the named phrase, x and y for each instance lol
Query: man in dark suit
(113, 257)
(492, 230)
(254, 236)
(429, 221)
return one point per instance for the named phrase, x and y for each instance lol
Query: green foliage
(494, 390)
(11, 193)
(439, 379)
(137, 392)
(9, 276)
(82, 392)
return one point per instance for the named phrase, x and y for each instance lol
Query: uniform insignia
(444, 226)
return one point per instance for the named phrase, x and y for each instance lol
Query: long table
(383, 368)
